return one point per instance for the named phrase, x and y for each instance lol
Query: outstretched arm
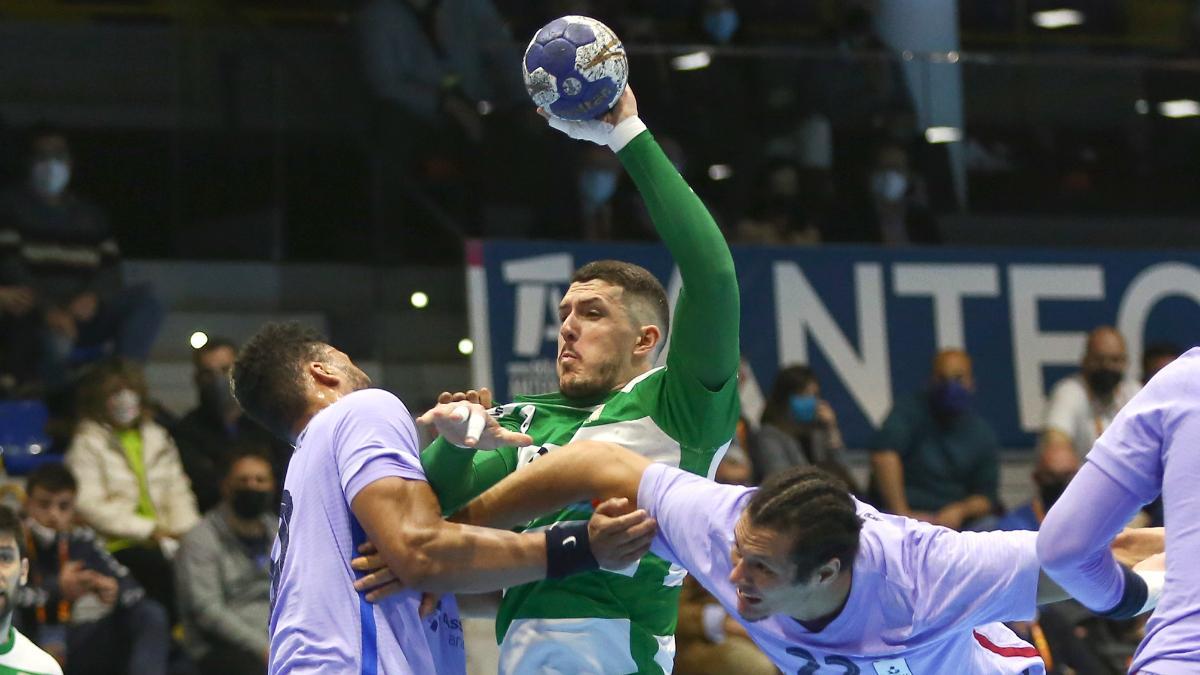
(704, 340)
(584, 471)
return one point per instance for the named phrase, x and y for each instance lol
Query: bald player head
(1104, 361)
(953, 364)
(1057, 464)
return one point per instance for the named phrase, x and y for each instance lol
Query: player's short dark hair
(246, 450)
(213, 344)
(10, 523)
(52, 478)
(638, 282)
(267, 376)
(816, 509)
(791, 380)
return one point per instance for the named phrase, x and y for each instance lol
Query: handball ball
(575, 68)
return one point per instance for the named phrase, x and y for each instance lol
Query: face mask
(721, 25)
(44, 535)
(50, 176)
(889, 185)
(249, 504)
(1103, 381)
(950, 398)
(124, 407)
(804, 408)
(217, 398)
(1050, 492)
(597, 186)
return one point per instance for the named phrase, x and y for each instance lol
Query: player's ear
(324, 374)
(828, 572)
(648, 339)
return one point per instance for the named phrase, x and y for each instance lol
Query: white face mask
(51, 176)
(889, 185)
(124, 407)
(44, 535)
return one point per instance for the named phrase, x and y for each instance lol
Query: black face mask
(1103, 381)
(1050, 492)
(248, 504)
(216, 396)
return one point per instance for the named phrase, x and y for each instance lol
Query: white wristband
(1155, 580)
(713, 617)
(624, 132)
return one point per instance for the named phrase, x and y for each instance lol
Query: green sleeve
(704, 337)
(458, 475)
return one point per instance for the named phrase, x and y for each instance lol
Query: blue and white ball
(575, 68)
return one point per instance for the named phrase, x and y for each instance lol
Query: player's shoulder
(886, 544)
(26, 657)
(369, 403)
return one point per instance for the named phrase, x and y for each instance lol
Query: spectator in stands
(892, 212)
(1156, 356)
(206, 435)
(935, 458)
(597, 180)
(132, 488)
(58, 246)
(80, 603)
(787, 209)
(799, 428)
(1054, 470)
(1083, 405)
(223, 571)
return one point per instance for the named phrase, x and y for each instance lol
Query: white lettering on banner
(536, 278)
(947, 284)
(1033, 349)
(1147, 289)
(799, 313)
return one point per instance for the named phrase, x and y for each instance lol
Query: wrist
(625, 130)
(568, 550)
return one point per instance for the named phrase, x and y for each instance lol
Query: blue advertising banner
(868, 320)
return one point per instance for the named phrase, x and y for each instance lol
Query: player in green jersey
(17, 653)
(614, 318)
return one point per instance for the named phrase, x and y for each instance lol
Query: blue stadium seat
(23, 438)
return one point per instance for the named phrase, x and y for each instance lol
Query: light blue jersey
(319, 623)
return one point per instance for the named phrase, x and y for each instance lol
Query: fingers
(542, 111)
(429, 602)
(615, 506)
(367, 563)
(384, 591)
(367, 548)
(374, 579)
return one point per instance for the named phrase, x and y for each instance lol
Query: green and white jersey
(683, 414)
(19, 656)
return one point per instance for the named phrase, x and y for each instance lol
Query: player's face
(596, 339)
(12, 572)
(353, 378)
(763, 572)
(55, 510)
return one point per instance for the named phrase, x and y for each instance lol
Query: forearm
(457, 558)
(889, 477)
(1073, 543)
(975, 506)
(578, 472)
(705, 263)
(459, 474)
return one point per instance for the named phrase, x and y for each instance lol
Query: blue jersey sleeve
(375, 439)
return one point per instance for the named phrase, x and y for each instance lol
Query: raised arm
(704, 340)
